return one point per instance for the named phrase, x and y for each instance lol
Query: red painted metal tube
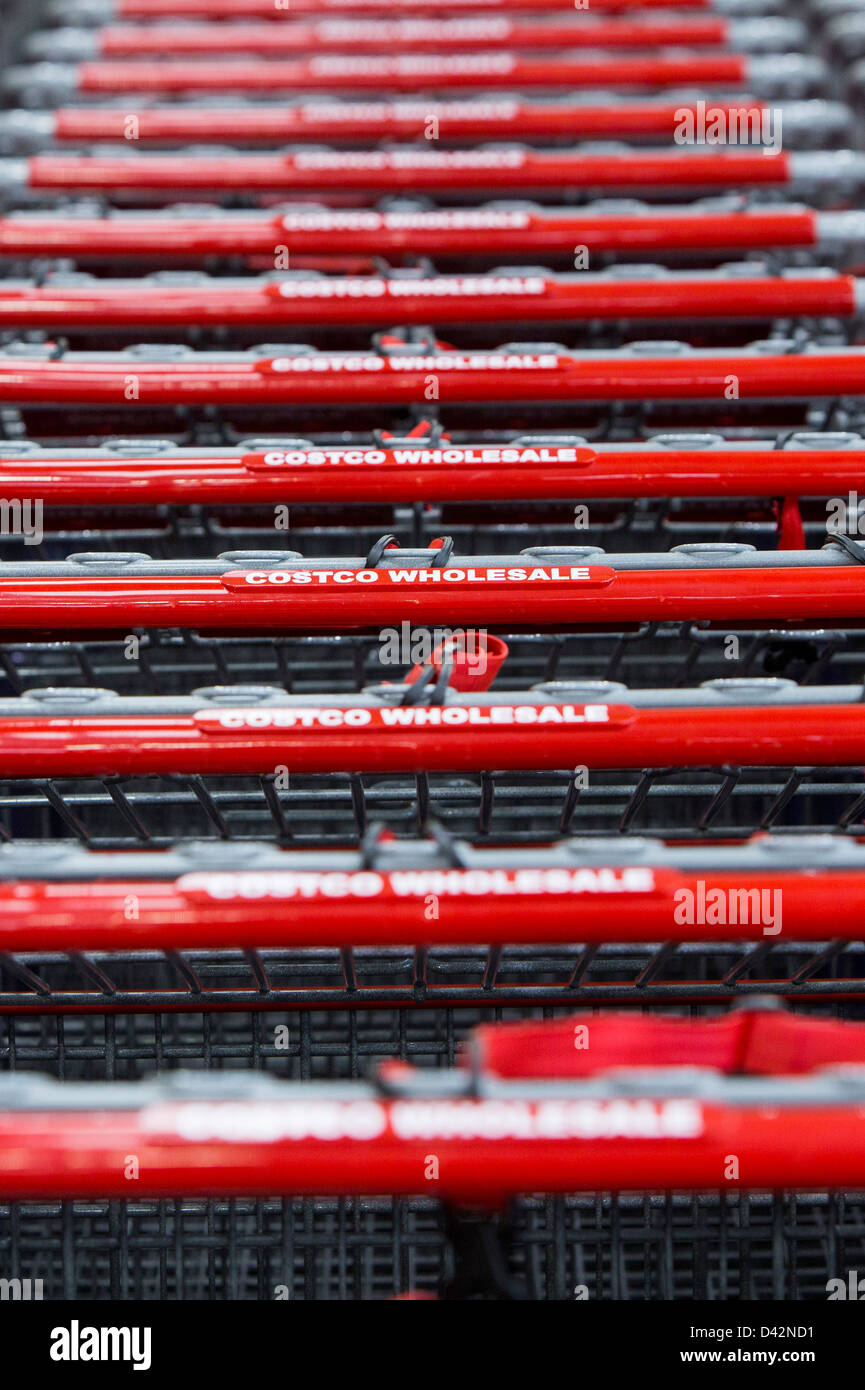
(472, 473)
(487, 1149)
(498, 117)
(410, 170)
(351, 599)
(409, 73)
(772, 1100)
(265, 9)
(267, 39)
(452, 739)
(368, 378)
(296, 907)
(452, 232)
(376, 301)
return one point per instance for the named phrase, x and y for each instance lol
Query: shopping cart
(368, 704)
(529, 1106)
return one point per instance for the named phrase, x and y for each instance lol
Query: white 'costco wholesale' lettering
(286, 885)
(439, 287)
(244, 1122)
(357, 718)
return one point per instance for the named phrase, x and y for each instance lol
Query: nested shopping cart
(432, 626)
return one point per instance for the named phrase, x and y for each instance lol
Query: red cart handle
(409, 73)
(450, 232)
(518, 372)
(487, 1150)
(410, 170)
(669, 1128)
(739, 292)
(528, 592)
(265, 9)
(342, 35)
(290, 905)
(521, 471)
(468, 119)
(448, 738)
